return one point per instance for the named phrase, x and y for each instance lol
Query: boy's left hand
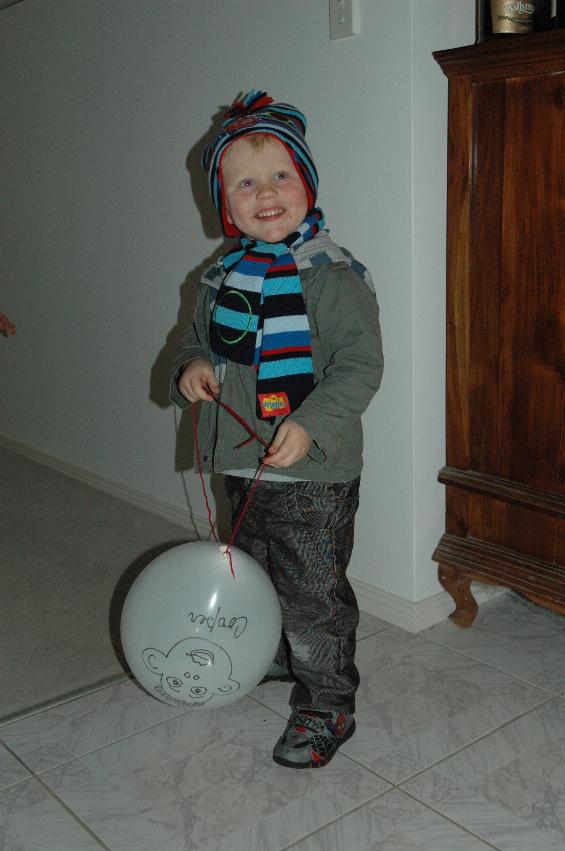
(291, 444)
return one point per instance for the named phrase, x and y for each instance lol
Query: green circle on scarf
(249, 318)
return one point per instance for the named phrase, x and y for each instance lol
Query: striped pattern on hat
(256, 113)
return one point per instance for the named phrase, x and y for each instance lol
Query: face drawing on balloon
(192, 672)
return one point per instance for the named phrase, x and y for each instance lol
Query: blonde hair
(256, 140)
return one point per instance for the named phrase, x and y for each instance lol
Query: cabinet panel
(526, 531)
(484, 317)
(514, 527)
(516, 312)
(533, 285)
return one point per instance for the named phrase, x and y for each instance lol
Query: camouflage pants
(301, 533)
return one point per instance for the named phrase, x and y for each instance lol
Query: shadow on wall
(162, 368)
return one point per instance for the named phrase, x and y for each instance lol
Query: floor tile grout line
(70, 698)
(39, 772)
(53, 795)
(374, 798)
(39, 778)
(378, 632)
(452, 821)
(445, 646)
(488, 665)
(346, 756)
(398, 784)
(474, 742)
(33, 775)
(335, 820)
(34, 772)
(30, 775)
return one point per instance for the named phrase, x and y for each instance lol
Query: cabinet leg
(458, 585)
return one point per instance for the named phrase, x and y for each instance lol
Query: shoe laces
(310, 720)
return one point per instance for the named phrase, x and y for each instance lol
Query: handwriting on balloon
(218, 621)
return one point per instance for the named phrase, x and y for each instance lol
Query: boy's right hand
(198, 381)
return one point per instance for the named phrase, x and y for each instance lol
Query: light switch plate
(344, 18)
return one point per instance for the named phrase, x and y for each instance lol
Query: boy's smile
(264, 194)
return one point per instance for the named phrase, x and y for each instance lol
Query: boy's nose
(266, 190)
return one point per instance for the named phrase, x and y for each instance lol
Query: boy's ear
(228, 217)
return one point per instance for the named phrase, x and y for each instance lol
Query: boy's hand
(291, 444)
(198, 381)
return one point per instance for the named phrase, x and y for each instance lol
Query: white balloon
(195, 635)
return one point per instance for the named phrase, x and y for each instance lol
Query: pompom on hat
(256, 113)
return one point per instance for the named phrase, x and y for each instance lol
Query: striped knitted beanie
(256, 113)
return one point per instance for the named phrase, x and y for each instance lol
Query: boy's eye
(280, 175)
(245, 184)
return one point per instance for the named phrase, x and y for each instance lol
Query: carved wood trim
(458, 584)
(498, 56)
(538, 580)
(504, 490)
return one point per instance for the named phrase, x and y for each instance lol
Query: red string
(256, 479)
(197, 452)
(242, 422)
(243, 512)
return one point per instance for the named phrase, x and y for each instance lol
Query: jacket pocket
(325, 505)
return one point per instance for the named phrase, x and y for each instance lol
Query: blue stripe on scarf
(282, 286)
(286, 339)
(290, 366)
(234, 319)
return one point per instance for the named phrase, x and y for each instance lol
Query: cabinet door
(516, 315)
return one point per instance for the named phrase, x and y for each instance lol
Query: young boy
(286, 333)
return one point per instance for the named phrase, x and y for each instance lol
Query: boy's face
(264, 195)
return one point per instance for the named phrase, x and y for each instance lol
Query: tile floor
(460, 747)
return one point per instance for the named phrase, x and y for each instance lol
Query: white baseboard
(373, 600)
(414, 617)
(195, 523)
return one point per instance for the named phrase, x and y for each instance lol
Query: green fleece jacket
(348, 364)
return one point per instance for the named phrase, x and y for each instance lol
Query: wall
(436, 25)
(108, 230)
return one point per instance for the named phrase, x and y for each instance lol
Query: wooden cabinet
(505, 467)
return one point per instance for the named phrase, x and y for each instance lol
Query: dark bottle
(542, 18)
(483, 21)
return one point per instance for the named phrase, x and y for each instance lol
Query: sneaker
(312, 737)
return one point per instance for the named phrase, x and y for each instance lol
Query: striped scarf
(260, 318)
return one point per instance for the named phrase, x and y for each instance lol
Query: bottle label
(512, 16)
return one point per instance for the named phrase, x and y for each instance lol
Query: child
(286, 333)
